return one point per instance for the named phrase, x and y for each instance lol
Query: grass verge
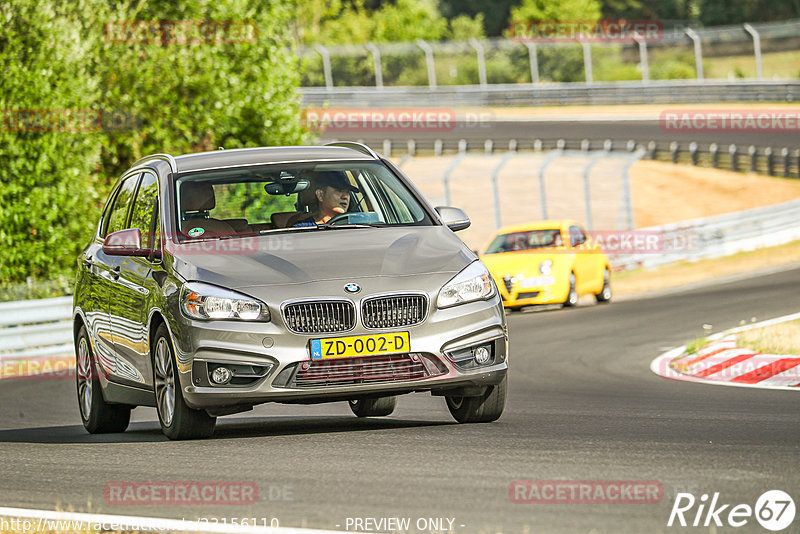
(782, 338)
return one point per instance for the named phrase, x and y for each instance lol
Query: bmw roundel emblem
(352, 287)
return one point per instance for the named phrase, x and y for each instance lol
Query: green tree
(48, 156)
(562, 10)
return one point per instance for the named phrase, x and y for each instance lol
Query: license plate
(355, 346)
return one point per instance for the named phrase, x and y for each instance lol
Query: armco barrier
(720, 235)
(36, 328)
(555, 94)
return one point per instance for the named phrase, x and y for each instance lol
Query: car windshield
(293, 197)
(527, 240)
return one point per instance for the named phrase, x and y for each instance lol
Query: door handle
(115, 272)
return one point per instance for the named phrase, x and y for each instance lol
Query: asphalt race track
(583, 405)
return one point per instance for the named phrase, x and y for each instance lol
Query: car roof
(537, 225)
(264, 155)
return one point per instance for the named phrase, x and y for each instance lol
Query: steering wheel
(336, 218)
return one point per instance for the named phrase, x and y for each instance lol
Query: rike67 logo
(774, 510)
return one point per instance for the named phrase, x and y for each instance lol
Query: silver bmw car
(221, 280)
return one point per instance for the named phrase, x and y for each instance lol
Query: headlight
(546, 267)
(204, 301)
(471, 284)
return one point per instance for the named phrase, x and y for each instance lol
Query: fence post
(481, 60)
(698, 52)
(756, 48)
(412, 147)
(488, 147)
(437, 147)
(787, 163)
(753, 158)
(626, 206)
(326, 64)
(714, 150)
(652, 148)
(674, 147)
(587, 62)
(587, 196)
(585, 145)
(534, 60)
(496, 190)
(542, 189)
(387, 148)
(446, 176)
(376, 61)
(643, 63)
(734, 151)
(770, 161)
(693, 152)
(429, 60)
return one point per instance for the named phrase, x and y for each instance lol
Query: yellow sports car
(547, 262)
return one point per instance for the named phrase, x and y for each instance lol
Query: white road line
(49, 520)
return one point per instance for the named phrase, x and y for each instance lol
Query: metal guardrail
(719, 235)
(34, 328)
(556, 94)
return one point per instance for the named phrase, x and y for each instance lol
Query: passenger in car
(332, 193)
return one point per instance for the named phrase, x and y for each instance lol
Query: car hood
(514, 263)
(315, 255)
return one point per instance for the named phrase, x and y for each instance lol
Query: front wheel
(178, 421)
(373, 407)
(98, 416)
(483, 409)
(605, 293)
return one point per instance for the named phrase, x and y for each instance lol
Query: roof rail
(164, 157)
(361, 147)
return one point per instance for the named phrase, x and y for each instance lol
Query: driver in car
(332, 192)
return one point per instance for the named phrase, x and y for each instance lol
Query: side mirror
(125, 243)
(454, 218)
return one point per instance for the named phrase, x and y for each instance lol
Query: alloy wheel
(165, 382)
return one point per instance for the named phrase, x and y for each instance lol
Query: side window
(576, 236)
(144, 207)
(118, 214)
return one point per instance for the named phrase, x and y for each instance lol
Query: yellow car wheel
(572, 294)
(605, 293)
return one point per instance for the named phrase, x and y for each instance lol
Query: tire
(605, 293)
(484, 409)
(178, 421)
(373, 407)
(98, 416)
(572, 294)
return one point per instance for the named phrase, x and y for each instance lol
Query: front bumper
(530, 295)
(440, 343)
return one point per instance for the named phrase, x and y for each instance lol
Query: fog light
(482, 355)
(221, 375)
